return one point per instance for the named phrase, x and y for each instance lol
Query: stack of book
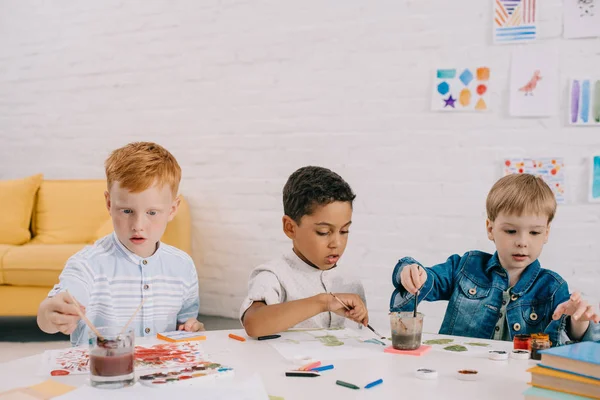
(567, 372)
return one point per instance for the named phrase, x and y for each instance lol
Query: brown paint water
(406, 341)
(111, 365)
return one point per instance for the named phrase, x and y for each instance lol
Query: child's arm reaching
(57, 313)
(261, 319)
(582, 315)
(435, 283)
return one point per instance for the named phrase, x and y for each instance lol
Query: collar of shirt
(134, 258)
(296, 262)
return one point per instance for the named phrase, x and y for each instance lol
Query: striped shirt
(111, 281)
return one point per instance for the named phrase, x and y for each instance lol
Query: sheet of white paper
(461, 89)
(584, 102)
(550, 169)
(224, 389)
(515, 21)
(76, 359)
(595, 179)
(581, 18)
(534, 82)
(335, 344)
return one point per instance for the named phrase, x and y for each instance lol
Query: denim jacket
(474, 284)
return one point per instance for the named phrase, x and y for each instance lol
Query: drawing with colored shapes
(595, 179)
(584, 102)
(551, 170)
(581, 18)
(461, 89)
(515, 21)
(534, 82)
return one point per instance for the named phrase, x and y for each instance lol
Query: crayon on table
(236, 337)
(346, 384)
(269, 337)
(307, 374)
(323, 368)
(310, 366)
(374, 383)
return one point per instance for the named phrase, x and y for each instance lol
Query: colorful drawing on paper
(461, 89)
(334, 344)
(206, 370)
(168, 355)
(515, 21)
(595, 179)
(534, 82)
(584, 102)
(531, 85)
(463, 346)
(551, 170)
(581, 18)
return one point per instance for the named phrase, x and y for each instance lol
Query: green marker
(346, 384)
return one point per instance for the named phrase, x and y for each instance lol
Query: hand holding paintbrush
(350, 312)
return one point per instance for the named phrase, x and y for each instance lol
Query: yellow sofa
(43, 223)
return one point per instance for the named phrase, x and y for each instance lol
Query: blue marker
(323, 368)
(377, 382)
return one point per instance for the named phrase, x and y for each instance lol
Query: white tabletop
(497, 379)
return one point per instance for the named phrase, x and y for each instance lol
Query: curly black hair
(309, 187)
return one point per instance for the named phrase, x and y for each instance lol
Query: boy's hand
(191, 325)
(357, 310)
(413, 277)
(62, 313)
(579, 310)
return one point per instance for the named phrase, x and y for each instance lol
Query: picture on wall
(461, 89)
(595, 179)
(584, 102)
(581, 18)
(515, 21)
(534, 82)
(551, 170)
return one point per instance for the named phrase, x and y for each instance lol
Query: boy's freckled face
(140, 219)
(321, 237)
(519, 239)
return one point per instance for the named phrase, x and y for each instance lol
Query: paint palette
(191, 375)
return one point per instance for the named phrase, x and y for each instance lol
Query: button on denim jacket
(473, 284)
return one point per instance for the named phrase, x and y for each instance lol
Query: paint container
(522, 342)
(539, 341)
(426, 374)
(520, 355)
(112, 358)
(498, 355)
(406, 330)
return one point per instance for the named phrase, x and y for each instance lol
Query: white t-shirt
(288, 278)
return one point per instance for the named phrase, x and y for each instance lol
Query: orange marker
(236, 337)
(310, 366)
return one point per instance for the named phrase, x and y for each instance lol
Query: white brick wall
(245, 92)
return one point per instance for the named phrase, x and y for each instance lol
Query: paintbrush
(416, 303)
(348, 309)
(83, 317)
(133, 316)
(416, 297)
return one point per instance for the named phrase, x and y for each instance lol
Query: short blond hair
(140, 165)
(518, 193)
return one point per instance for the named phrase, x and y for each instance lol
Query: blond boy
(498, 296)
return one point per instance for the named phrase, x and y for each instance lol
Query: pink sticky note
(418, 352)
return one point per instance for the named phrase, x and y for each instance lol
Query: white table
(497, 380)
